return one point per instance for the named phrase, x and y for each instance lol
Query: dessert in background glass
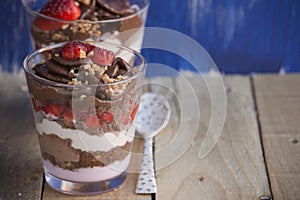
(56, 21)
(84, 97)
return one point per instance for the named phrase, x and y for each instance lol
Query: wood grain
(20, 165)
(279, 111)
(234, 169)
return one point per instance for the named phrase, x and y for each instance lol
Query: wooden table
(257, 155)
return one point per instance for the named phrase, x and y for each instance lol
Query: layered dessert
(84, 100)
(65, 20)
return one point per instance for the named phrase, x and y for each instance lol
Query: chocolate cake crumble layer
(60, 153)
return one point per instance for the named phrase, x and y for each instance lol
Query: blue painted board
(14, 37)
(242, 36)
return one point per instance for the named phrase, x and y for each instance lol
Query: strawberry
(102, 57)
(92, 121)
(133, 113)
(89, 47)
(76, 50)
(68, 115)
(60, 9)
(53, 109)
(106, 117)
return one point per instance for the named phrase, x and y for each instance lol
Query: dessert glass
(86, 139)
(126, 30)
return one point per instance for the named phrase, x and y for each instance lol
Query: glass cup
(126, 30)
(85, 131)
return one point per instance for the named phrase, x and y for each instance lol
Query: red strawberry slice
(92, 121)
(106, 117)
(68, 116)
(53, 109)
(133, 113)
(102, 57)
(89, 48)
(60, 9)
(76, 50)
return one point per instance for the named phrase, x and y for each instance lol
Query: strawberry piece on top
(76, 50)
(59, 9)
(101, 56)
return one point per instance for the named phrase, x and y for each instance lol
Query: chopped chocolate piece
(121, 72)
(43, 71)
(122, 64)
(112, 71)
(118, 67)
(105, 15)
(60, 69)
(118, 7)
(87, 8)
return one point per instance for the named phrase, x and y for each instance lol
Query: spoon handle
(146, 183)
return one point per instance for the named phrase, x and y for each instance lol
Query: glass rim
(141, 67)
(36, 13)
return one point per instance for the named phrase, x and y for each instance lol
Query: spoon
(153, 115)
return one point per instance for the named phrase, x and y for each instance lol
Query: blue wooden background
(242, 36)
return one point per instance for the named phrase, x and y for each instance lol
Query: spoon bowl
(153, 115)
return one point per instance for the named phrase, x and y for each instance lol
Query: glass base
(84, 188)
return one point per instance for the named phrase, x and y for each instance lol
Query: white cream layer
(85, 142)
(89, 174)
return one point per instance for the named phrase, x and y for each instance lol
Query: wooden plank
(20, 165)
(278, 106)
(234, 169)
(277, 86)
(126, 191)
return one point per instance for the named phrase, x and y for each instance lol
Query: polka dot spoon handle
(146, 183)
